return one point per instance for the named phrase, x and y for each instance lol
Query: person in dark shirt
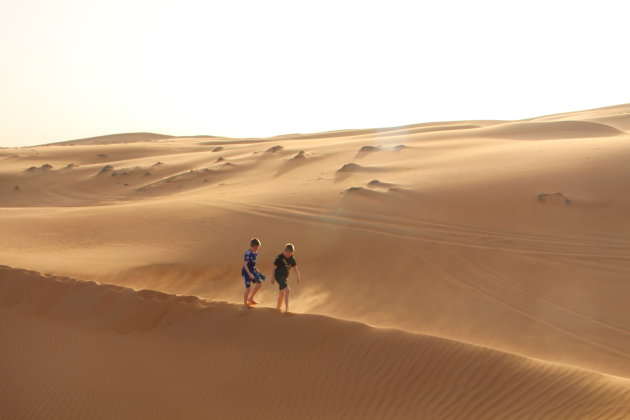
(283, 264)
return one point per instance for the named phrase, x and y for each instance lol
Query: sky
(72, 69)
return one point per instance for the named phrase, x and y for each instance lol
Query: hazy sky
(79, 68)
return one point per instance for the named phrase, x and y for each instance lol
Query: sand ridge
(169, 344)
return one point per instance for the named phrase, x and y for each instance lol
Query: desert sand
(451, 270)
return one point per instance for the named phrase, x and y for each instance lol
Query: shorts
(248, 281)
(282, 282)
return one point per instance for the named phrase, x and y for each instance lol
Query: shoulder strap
(287, 262)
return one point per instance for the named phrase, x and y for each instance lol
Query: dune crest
(551, 130)
(191, 348)
(114, 138)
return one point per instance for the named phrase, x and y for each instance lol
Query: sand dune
(551, 130)
(115, 138)
(508, 238)
(155, 355)
(590, 114)
(406, 129)
(621, 121)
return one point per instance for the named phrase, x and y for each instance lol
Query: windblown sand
(455, 270)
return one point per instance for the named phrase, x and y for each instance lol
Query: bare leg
(280, 298)
(286, 299)
(256, 289)
(246, 296)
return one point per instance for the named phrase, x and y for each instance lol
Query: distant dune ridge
(115, 138)
(451, 270)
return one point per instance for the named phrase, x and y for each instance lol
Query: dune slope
(111, 352)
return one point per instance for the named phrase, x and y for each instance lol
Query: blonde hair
(289, 248)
